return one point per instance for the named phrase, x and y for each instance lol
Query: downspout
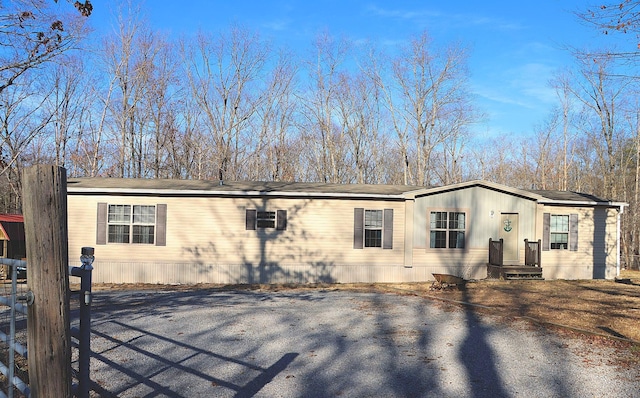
(619, 236)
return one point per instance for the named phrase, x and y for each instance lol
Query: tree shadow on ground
(161, 364)
(478, 358)
(309, 343)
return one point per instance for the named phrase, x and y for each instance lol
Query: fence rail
(13, 346)
(82, 334)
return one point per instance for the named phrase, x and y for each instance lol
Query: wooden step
(514, 272)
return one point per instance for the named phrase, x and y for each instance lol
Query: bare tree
(620, 16)
(225, 75)
(129, 56)
(562, 85)
(161, 102)
(358, 102)
(543, 153)
(32, 33)
(276, 155)
(428, 86)
(601, 93)
(67, 104)
(322, 135)
(499, 166)
(22, 119)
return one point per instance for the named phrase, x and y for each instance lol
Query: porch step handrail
(496, 251)
(532, 253)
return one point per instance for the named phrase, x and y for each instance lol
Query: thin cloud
(505, 97)
(277, 25)
(400, 14)
(532, 79)
(450, 20)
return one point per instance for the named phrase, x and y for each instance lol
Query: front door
(509, 235)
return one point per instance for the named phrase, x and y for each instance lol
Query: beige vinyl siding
(596, 254)
(206, 239)
(195, 273)
(470, 264)
(483, 206)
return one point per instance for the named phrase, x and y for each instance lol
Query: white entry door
(509, 235)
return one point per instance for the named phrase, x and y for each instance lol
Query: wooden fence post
(44, 203)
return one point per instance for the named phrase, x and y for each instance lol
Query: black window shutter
(387, 233)
(573, 232)
(161, 225)
(546, 230)
(281, 220)
(251, 216)
(101, 225)
(358, 228)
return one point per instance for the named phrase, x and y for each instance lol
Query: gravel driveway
(212, 343)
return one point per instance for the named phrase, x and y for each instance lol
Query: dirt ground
(603, 311)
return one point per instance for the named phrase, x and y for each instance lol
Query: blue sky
(515, 47)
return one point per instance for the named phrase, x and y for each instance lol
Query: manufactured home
(177, 231)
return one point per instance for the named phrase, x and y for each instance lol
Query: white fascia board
(481, 183)
(581, 203)
(187, 192)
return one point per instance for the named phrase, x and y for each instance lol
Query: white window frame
(133, 225)
(373, 228)
(557, 229)
(449, 227)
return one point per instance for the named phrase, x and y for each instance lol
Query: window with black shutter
(266, 219)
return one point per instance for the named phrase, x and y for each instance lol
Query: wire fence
(13, 330)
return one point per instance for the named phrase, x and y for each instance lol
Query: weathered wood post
(44, 203)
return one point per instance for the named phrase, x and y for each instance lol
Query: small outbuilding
(12, 242)
(188, 231)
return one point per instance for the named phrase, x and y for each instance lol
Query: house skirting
(195, 273)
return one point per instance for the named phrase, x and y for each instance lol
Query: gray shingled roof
(569, 196)
(234, 186)
(121, 185)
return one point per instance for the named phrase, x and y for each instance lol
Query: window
(559, 232)
(255, 219)
(447, 230)
(373, 228)
(438, 229)
(266, 219)
(131, 224)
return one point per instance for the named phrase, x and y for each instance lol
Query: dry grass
(603, 312)
(602, 307)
